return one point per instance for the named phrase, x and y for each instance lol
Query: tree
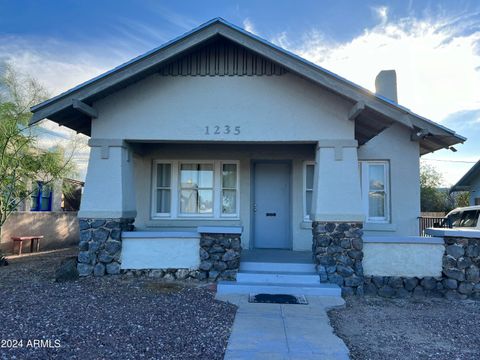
(431, 197)
(22, 160)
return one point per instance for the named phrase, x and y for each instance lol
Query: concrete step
(232, 287)
(278, 277)
(277, 267)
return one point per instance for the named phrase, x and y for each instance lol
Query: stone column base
(101, 245)
(219, 256)
(337, 250)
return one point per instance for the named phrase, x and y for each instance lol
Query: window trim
(306, 217)
(175, 190)
(365, 187)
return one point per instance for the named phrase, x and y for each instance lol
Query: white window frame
(306, 217)
(175, 190)
(364, 164)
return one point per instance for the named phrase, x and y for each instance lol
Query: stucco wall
(160, 253)
(394, 145)
(406, 259)
(59, 228)
(297, 154)
(267, 108)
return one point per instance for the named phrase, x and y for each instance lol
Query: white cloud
(438, 71)
(248, 25)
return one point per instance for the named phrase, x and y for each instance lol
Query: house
(470, 182)
(220, 141)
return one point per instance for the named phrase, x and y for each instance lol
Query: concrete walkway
(273, 331)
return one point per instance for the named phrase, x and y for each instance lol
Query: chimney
(386, 84)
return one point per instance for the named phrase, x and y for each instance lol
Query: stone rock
(212, 275)
(67, 271)
(455, 251)
(100, 235)
(402, 293)
(206, 242)
(182, 274)
(83, 246)
(449, 261)
(358, 268)
(205, 265)
(115, 234)
(99, 269)
(105, 257)
(323, 240)
(93, 246)
(219, 266)
(465, 288)
(429, 283)
(347, 291)
(201, 275)
(345, 243)
(395, 282)
(234, 264)
(84, 257)
(418, 292)
(84, 269)
(450, 284)
(353, 281)
(216, 249)
(83, 224)
(229, 255)
(168, 277)
(326, 260)
(473, 274)
(112, 247)
(95, 224)
(113, 268)
(386, 291)
(473, 250)
(378, 281)
(370, 289)
(410, 283)
(335, 279)
(204, 254)
(331, 269)
(344, 271)
(229, 274)
(85, 235)
(454, 274)
(355, 254)
(329, 227)
(357, 244)
(334, 249)
(463, 262)
(156, 273)
(344, 260)
(454, 295)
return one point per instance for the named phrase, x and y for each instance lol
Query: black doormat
(278, 299)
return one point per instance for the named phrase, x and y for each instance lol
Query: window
(41, 197)
(308, 189)
(469, 219)
(375, 196)
(195, 189)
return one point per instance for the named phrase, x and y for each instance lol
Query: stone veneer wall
(460, 275)
(219, 256)
(101, 245)
(337, 250)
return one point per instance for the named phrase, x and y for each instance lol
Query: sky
(434, 46)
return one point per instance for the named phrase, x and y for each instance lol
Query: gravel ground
(376, 328)
(120, 317)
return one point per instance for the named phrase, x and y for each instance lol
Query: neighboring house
(470, 182)
(219, 135)
(61, 195)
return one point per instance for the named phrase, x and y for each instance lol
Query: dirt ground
(114, 317)
(377, 328)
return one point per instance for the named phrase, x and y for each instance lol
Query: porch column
(337, 215)
(107, 207)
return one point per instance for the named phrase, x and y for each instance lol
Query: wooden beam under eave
(84, 108)
(356, 110)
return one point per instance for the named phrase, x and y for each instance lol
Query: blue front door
(271, 205)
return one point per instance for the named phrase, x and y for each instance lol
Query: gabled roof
(379, 112)
(466, 181)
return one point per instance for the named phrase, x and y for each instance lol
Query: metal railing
(426, 222)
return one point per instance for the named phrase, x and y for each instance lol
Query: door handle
(271, 214)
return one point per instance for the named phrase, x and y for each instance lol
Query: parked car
(466, 217)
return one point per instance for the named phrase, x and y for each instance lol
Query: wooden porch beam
(356, 110)
(84, 108)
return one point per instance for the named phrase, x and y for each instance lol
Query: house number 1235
(222, 130)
